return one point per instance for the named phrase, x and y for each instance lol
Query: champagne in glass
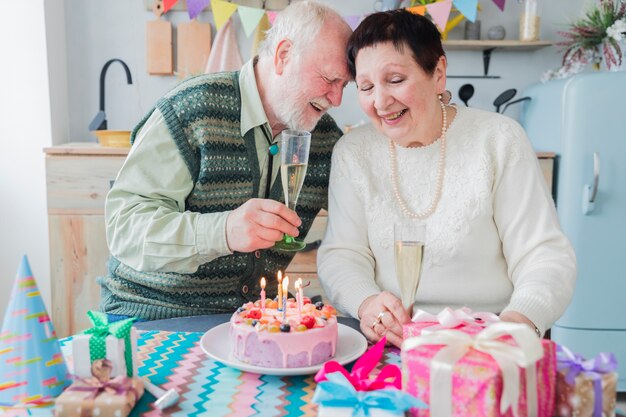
(409, 237)
(294, 156)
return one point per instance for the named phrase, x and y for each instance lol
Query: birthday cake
(272, 338)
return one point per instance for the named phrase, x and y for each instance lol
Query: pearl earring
(440, 97)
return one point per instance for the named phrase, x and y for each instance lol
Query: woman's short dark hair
(403, 29)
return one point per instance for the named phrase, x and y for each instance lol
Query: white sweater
(493, 243)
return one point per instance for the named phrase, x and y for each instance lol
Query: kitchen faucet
(100, 121)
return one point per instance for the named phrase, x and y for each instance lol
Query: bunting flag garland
(222, 11)
(353, 21)
(468, 8)
(420, 10)
(168, 4)
(440, 12)
(250, 18)
(271, 16)
(194, 7)
(500, 4)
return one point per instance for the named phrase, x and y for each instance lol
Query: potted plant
(598, 36)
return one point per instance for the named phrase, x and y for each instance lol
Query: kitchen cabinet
(78, 177)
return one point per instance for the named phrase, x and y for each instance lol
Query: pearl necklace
(442, 159)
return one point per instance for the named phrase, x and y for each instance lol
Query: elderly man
(196, 208)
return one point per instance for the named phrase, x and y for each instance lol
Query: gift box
(115, 341)
(585, 387)
(462, 318)
(362, 391)
(99, 395)
(487, 374)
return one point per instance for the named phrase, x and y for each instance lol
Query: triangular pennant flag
(168, 4)
(500, 4)
(259, 34)
(467, 8)
(271, 16)
(250, 18)
(420, 10)
(440, 12)
(32, 369)
(194, 7)
(353, 21)
(222, 11)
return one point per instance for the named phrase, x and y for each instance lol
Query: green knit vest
(203, 117)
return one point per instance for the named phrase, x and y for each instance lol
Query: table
(170, 356)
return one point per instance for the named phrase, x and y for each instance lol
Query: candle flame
(280, 277)
(298, 283)
(285, 284)
(263, 282)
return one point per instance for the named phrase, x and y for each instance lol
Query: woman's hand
(515, 317)
(383, 315)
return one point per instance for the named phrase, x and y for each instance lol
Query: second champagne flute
(294, 157)
(409, 238)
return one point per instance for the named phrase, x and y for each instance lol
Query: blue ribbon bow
(337, 391)
(574, 364)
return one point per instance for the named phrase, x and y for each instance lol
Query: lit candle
(280, 290)
(299, 298)
(263, 295)
(285, 292)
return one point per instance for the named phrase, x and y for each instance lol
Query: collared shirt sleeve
(147, 225)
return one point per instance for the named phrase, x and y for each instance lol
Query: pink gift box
(477, 382)
(462, 319)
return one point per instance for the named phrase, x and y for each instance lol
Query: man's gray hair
(300, 22)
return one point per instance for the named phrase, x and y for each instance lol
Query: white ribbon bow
(449, 319)
(508, 357)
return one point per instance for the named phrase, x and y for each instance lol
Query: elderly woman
(493, 239)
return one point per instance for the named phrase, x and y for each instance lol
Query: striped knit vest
(203, 117)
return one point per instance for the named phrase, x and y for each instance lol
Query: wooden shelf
(487, 47)
(482, 45)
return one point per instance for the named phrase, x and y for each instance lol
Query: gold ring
(380, 316)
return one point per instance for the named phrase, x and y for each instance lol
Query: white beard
(291, 106)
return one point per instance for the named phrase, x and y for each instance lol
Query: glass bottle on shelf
(529, 21)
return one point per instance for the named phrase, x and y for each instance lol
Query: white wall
(25, 129)
(51, 101)
(123, 22)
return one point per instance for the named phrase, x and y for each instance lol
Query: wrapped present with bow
(504, 370)
(99, 395)
(463, 319)
(585, 387)
(115, 341)
(359, 393)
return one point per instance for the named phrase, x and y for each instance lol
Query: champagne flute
(294, 157)
(409, 237)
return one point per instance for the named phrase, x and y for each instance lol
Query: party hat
(32, 369)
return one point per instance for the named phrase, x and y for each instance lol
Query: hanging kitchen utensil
(159, 43)
(514, 102)
(505, 96)
(193, 48)
(465, 93)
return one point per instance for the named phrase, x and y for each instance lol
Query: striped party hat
(32, 368)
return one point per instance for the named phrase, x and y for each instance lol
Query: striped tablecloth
(209, 388)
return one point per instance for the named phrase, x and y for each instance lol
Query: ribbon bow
(120, 385)
(574, 364)
(359, 378)
(450, 319)
(101, 329)
(338, 391)
(508, 357)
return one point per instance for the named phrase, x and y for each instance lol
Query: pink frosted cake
(262, 339)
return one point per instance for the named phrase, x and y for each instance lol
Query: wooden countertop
(85, 148)
(93, 148)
